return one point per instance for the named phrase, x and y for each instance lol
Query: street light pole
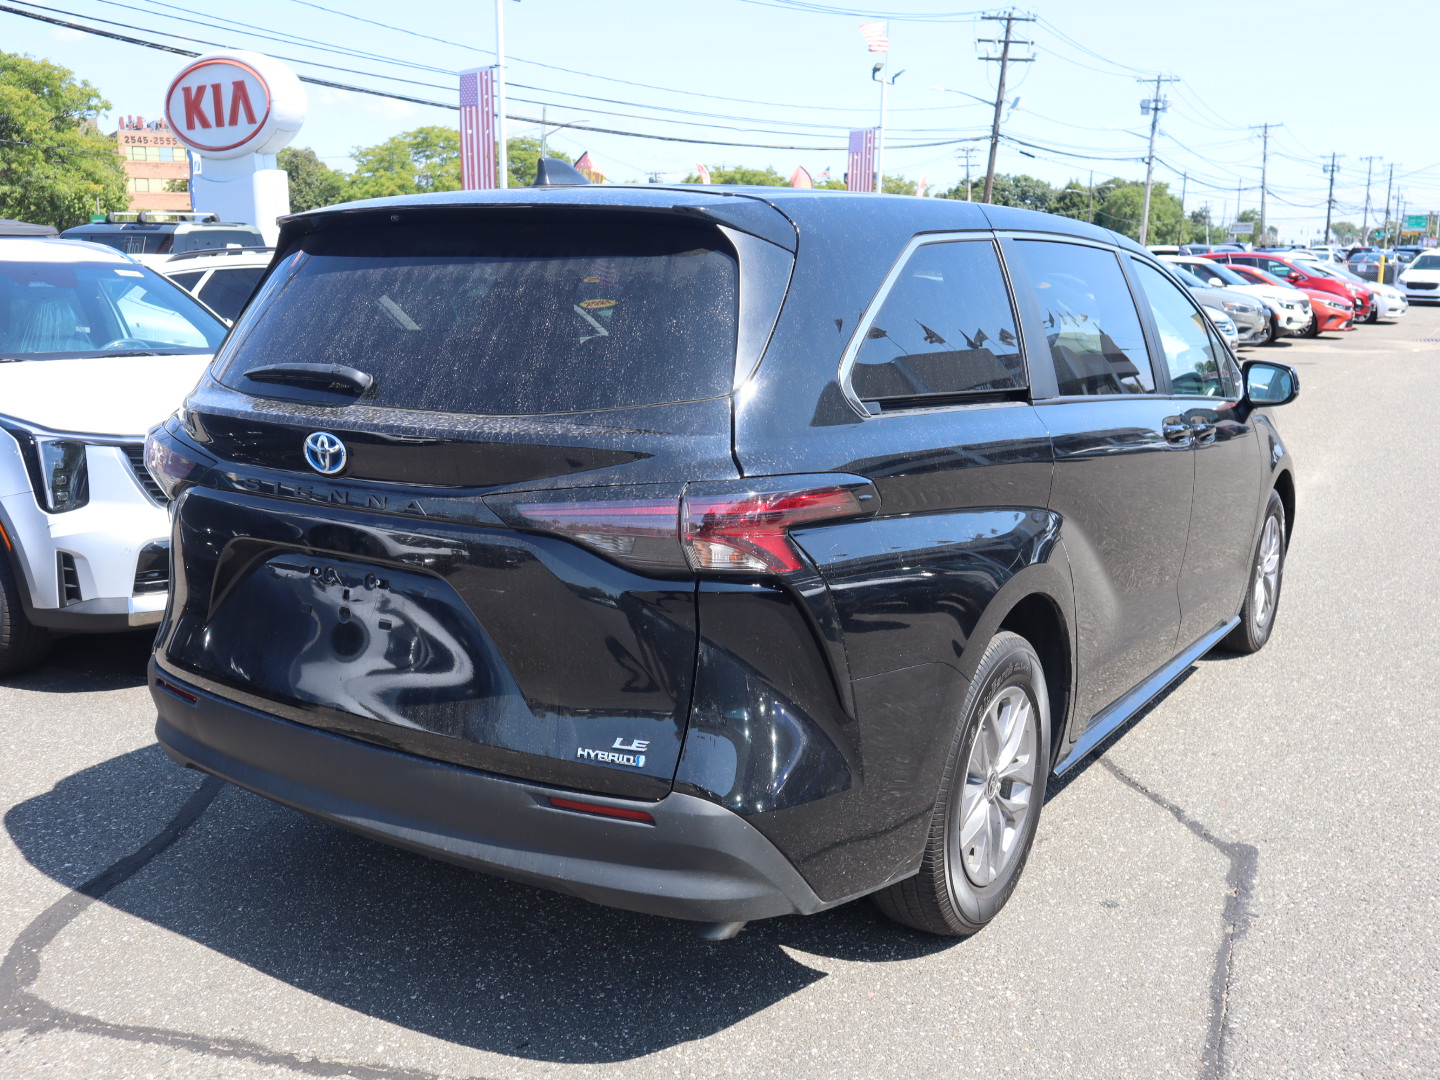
(504, 155)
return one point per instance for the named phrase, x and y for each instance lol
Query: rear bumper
(697, 861)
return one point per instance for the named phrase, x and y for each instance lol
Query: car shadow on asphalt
(440, 950)
(85, 663)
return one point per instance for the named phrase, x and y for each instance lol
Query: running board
(1137, 699)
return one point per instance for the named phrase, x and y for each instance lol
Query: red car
(1295, 272)
(1332, 312)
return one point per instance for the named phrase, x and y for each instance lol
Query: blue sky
(796, 73)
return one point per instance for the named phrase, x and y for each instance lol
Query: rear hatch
(441, 463)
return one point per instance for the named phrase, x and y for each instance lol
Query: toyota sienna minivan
(717, 553)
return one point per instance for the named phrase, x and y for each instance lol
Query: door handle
(1202, 429)
(1175, 429)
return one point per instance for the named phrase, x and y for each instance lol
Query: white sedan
(1421, 279)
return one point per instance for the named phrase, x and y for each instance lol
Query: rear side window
(946, 327)
(1089, 316)
(506, 318)
(228, 290)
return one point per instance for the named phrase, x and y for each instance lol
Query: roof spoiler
(552, 172)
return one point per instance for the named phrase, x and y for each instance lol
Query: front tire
(989, 801)
(1262, 595)
(22, 644)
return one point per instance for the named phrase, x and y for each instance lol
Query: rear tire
(22, 644)
(1313, 330)
(1262, 593)
(989, 801)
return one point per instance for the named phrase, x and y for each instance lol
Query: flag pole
(503, 152)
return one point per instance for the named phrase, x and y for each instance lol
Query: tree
(1021, 190)
(426, 159)
(1123, 205)
(1072, 201)
(523, 155)
(1345, 232)
(312, 182)
(898, 185)
(766, 177)
(1272, 234)
(56, 168)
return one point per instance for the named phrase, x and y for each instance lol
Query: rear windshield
(504, 318)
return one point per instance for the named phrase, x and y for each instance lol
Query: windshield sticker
(600, 330)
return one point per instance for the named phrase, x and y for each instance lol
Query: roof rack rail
(229, 250)
(151, 217)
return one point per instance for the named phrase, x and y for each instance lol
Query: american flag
(875, 36)
(477, 129)
(860, 175)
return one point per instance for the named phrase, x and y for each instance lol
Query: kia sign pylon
(236, 110)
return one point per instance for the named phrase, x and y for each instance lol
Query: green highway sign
(1415, 222)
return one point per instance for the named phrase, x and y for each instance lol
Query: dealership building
(153, 158)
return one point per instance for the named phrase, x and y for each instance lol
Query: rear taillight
(643, 533)
(171, 463)
(737, 527)
(750, 533)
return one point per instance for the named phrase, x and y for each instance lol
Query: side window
(1090, 320)
(1198, 365)
(228, 290)
(946, 327)
(187, 281)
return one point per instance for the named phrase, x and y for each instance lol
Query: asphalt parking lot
(1246, 883)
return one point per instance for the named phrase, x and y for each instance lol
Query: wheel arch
(1039, 620)
(1285, 488)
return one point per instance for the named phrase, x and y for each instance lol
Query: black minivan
(718, 553)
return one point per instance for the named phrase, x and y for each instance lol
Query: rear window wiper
(333, 378)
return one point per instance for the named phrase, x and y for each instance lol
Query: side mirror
(1268, 384)
(1217, 282)
(1293, 277)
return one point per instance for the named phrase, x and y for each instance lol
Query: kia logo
(325, 452)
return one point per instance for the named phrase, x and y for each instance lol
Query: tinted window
(1090, 320)
(506, 318)
(203, 239)
(187, 281)
(227, 291)
(1197, 363)
(946, 327)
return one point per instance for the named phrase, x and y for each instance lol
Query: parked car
(1325, 253)
(1366, 265)
(1308, 274)
(1330, 312)
(223, 280)
(1421, 279)
(1250, 316)
(800, 597)
(1389, 301)
(153, 237)
(93, 351)
(1289, 312)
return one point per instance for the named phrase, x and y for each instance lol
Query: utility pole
(969, 152)
(1331, 170)
(1365, 217)
(1184, 187)
(1264, 165)
(1092, 195)
(1154, 106)
(1389, 186)
(1005, 61)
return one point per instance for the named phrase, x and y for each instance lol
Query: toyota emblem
(325, 452)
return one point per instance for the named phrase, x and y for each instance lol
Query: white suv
(94, 350)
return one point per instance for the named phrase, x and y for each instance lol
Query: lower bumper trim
(698, 860)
